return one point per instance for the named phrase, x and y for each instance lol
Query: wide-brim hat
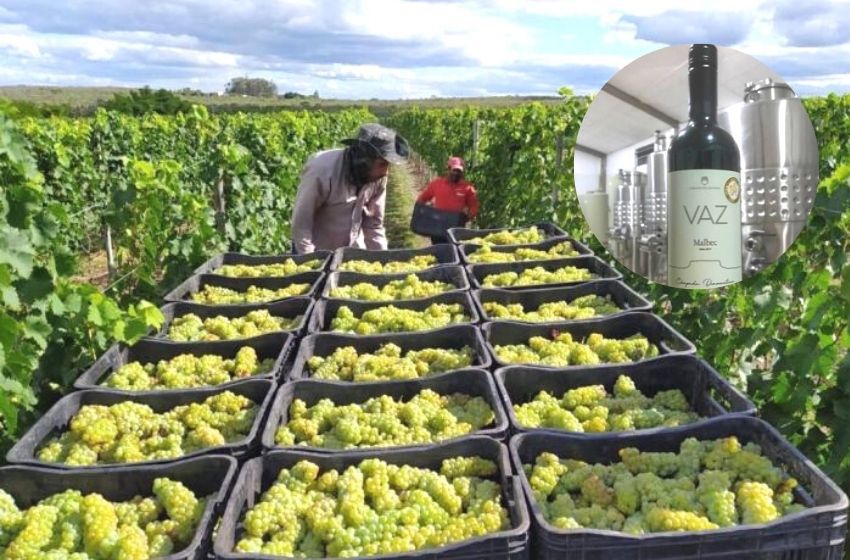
(385, 141)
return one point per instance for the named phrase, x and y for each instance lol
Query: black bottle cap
(702, 56)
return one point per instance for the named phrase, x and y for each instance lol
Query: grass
(400, 199)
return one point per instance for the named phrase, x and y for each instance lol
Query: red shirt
(454, 197)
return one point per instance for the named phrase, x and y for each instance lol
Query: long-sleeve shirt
(330, 213)
(453, 197)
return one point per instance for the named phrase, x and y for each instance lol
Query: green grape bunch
(562, 350)
(417, 263)
(372, 508)
(71, 525)
(523, 236)
(191, 328)
(286, 268)
(185, 371)
(131, 432)
(485, 254)
(706, 485)
(390, 318)
(411, 287)
(537, 275)
(592, 409)
(427, 417)
(583, 307)
(219, 295)
(387, 363)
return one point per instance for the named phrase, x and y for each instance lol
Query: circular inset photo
(696, 166)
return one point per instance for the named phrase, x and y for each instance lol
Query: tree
(146, 100)
(254, 87)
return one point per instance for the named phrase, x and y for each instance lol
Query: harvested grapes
(187, 370)
(219, 295)
(71, 525)
(706, 485)
(411, 287)
(129, 432)
(390, 318)
(538, 275)
(286, 268)
(373, 508)
(584, 307)
(387, 363)
(562, 350)
(414, 264)
(485, 254)
(509, 237)
(428, 417)
(191, 328)
(592, 409)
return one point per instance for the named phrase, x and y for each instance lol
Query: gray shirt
(329, 212)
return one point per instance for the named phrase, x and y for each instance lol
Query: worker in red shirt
(451, 193)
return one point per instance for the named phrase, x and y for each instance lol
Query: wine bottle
(704, 188)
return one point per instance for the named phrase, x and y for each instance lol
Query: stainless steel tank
(654, 238)
(627, 216)
(779, 169)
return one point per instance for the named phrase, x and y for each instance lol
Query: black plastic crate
(196, 283)
(325, 310)
(459, 235)
(623, 296)
(602, 270)
(454, 275)
(468, 249)
(428, 220)
(274, 346)
(210, 477)
(216, 262)
(472, 382)
(707, 392)
(454, 337)
(816, 533)
(259, 474)
(445, 253)
(56, 420)
(288, 308)
(622, 326)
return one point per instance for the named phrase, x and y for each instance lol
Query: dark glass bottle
(704, 209)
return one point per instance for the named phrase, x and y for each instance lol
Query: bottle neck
(702, 81)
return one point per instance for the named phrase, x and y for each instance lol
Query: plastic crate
(209, 476)
(454, 275)
(196, 283)
(274, 346)
(445, 253)
(816, 533)
(459, 235)
(623, 296)
(708, 393)
(325, 310)
(652, 327)
(468, 249)
(258, 475)
(602, 270)
(56, 420)
(216, 262)
(455, 337)
(472, 382)
(288, 308)
(427, 220)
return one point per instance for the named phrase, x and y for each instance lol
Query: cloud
(814, 23)
(676, 27)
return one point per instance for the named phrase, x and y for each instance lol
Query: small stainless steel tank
(779, 169)
(654, 239)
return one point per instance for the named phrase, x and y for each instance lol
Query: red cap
(455, 163)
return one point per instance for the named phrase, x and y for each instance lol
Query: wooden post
(559, 163)
(220, 207)
(110, 252)
(476, 134)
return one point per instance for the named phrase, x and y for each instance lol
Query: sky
(390, 49)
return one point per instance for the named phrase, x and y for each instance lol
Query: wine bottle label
(704, 228)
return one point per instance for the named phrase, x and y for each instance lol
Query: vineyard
(146, 200)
